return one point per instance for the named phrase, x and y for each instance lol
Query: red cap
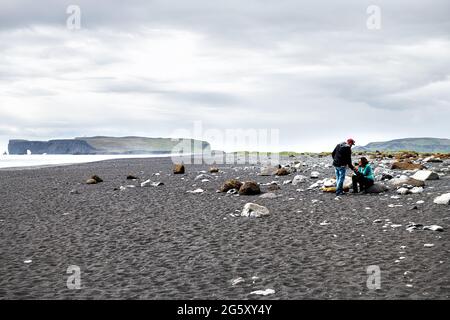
(351, 141)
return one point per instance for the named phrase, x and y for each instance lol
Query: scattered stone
(406, 165)
(28, 261)
(328, 183)
(237, 281)
(94, 180)
(74, 191)
(287, 182)
(273, 187)
(91, 181)
(403, 191)
(213, 170)
(442, 199)
(432, 159)
(298, 179)
(377, 188)
(268, 195)
(428, 245)
(402, 180)
(231, 184)
(269, 170)
(314, 174)
(386, 176)
(254, 210)
(434, 228)
(249, 188)
(420, 202)
(282, 172)
(202, 177)
(263, 292)
(424, 175)
(131, 177)
(146, 183)
(416, 190)
(232, 191)
(178, 169)
(324, 223)
(196, 191)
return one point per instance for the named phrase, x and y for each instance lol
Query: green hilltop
(410, 144)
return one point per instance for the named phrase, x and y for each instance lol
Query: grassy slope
(135, 144)
(413, 144)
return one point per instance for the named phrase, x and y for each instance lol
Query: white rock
(287, 182)
(403, 191)
(236, 281)
(254, 210)
(433, 228)
(416, 190)
(327, 183)
(442, 199)
(315, 174)
(263, 292)
(196, 191)
(420, 202)
(428, 245)
(202, 176)
(269, 195)
(146, 183)
(424, 175)
(298, 179)
(28, 261)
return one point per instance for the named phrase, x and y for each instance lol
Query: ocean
(33, 160)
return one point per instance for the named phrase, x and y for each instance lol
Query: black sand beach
(164, 243)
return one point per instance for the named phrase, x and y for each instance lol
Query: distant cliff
(410, 144)
(109, 145)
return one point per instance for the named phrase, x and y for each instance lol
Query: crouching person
(363, 176)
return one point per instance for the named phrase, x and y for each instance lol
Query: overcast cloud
(313, 70)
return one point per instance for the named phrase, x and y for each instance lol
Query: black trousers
(363, 182)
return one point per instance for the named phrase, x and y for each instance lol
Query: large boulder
(231, 184)
(269, 170)
(377, 188)
(397, 182)
(282, 172)
(424, 175)
(254, 210)
(94, 180)
(406, 165)
(249, 188)
(298, 179)
(178, 169)
(442, 199)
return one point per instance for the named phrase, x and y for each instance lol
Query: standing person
(342, 157)
(364, 176)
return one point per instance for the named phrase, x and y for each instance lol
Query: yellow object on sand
(333, 189)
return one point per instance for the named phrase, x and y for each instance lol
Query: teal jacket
(367, 172)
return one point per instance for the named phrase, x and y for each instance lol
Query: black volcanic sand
(164, 243)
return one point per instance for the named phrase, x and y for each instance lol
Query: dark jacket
(342, 155)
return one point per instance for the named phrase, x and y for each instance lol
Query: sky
(298, 75)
